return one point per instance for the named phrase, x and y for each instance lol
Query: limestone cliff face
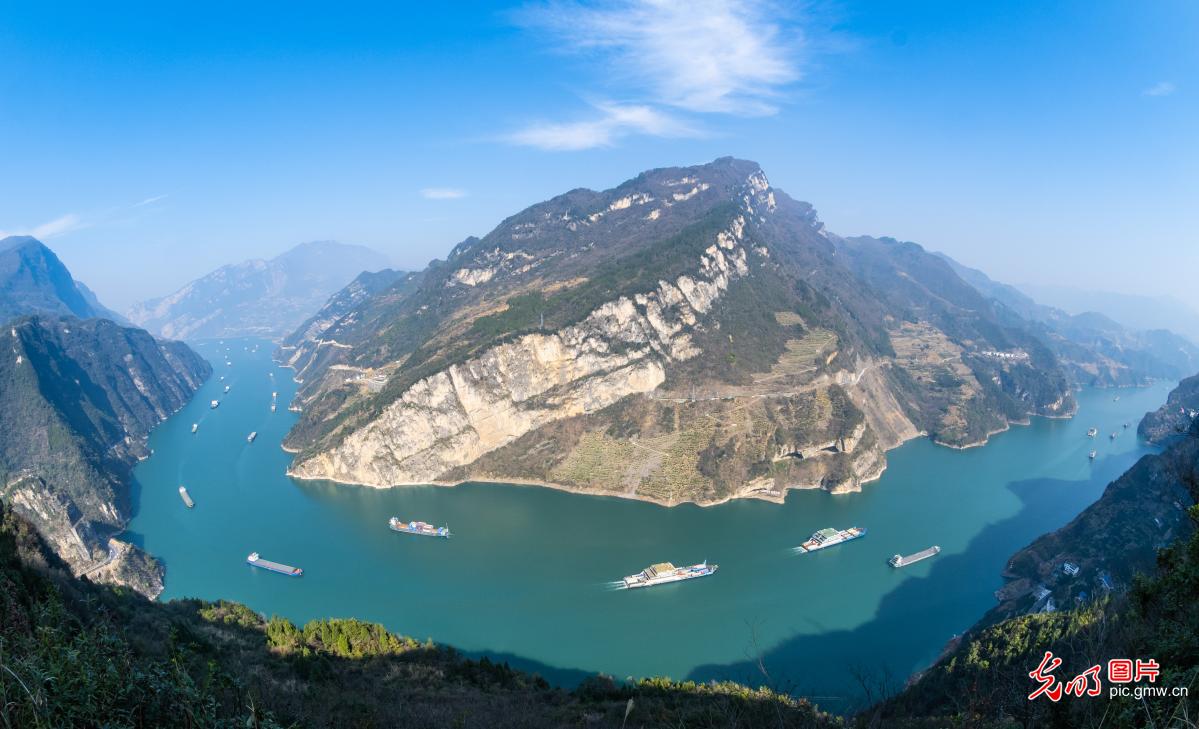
(691, 335)
(455, 416)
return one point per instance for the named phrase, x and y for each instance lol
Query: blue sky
(1042, 142)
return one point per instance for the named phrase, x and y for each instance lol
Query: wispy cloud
(612, 122)
(701, 57)
(442, 193)
(1161, 88)
(72, 222)
(58, 226)
(149, 201)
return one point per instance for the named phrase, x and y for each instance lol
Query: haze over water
(527, 575)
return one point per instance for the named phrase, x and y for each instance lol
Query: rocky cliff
(691, 335)
(1176, 416)
(79, 398)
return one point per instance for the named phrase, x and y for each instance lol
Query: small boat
(273, 407)
(250, 438)
(1114, 436)
(1126, 426)
(284, 569)
(187, 499)
(274, 396)
(214, 404)
(226, 388)
(421, 528)
(1092, 432)
(222, 378)
(195, 427)
(1092, 455)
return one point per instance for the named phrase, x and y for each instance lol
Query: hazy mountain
(79, 398)
(1134, 312)
(692, 334)
(34, 281)
(1095, 349)
(257, 297)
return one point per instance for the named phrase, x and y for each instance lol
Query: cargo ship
(901, 561)
(195, 427)
(421, 528)
(272, 407)
(255, 561)
(214, 404)
(830, 538)
(250, 438)
(187, 499)
(665, 572)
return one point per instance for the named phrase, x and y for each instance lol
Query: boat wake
(615, 585)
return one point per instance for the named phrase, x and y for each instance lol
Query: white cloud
(612, 122)
(702, 57)
(706, 55)
(1161, 88)
(442, 193)
(58, 226)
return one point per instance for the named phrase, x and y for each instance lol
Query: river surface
(527, 576)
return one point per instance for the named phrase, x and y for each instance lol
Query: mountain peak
(34, 281)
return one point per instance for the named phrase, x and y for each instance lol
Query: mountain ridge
(258, 297)
(706, 317)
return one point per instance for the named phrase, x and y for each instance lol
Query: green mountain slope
(79, 398)
(34, 281)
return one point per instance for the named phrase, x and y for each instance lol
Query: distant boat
(1114, 435)
(1126, 425)
(1116, 398)
(274, 396)
(273, 407)
(1092, 432)
(222, 378)
(226, 388)
(284, 569)
(195, 427)
(665, 572)
(419, 528)
(214, 404)
(250, 438)
(1092, 455)
(187, 499)
(901, 561)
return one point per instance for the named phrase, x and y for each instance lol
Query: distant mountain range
(33, 280)
(265, 298)
(1133, 311)
(1094, 348)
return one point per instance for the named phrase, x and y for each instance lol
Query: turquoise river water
(527, 575)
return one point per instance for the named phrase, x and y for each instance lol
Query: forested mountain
(79, 398)
(693, 334)
(34, 281)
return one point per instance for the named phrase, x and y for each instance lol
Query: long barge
(284, 569)
(901, 561)
(187, 499)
